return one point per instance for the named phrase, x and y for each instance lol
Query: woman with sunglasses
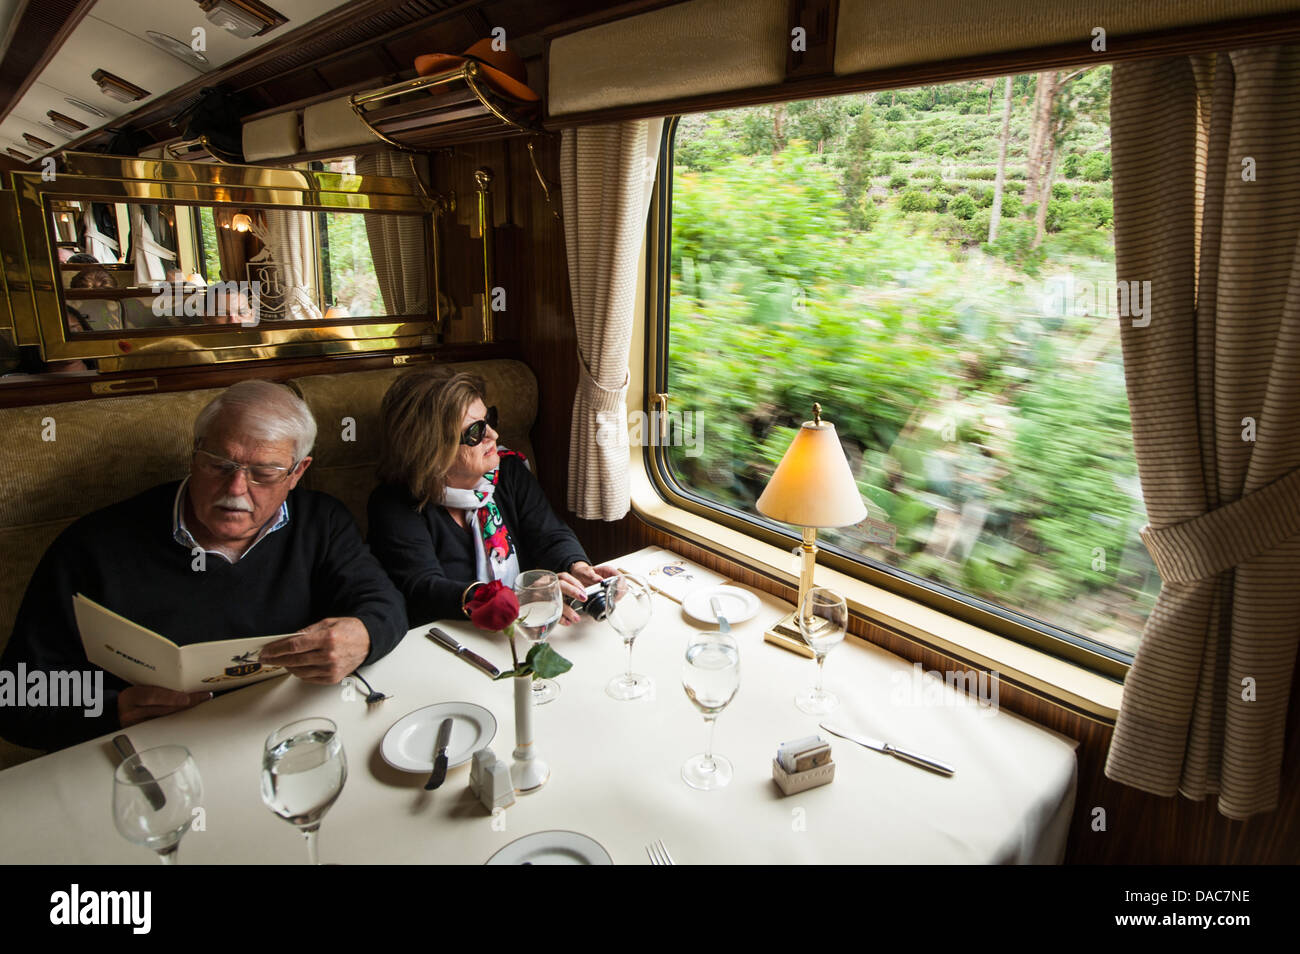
(453, 509)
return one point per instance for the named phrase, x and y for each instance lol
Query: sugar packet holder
(803, 764)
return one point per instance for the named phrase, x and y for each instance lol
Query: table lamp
(812, 487)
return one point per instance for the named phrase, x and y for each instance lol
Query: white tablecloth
(615, 766)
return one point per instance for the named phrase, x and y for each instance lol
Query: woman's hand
(574, 586)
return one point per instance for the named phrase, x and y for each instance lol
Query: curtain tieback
(1215, 542)
(596, 395)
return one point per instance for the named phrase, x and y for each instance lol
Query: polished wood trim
(1202, 38)
(818, 19)
(620, 11)
(58, 388)
(49, 45)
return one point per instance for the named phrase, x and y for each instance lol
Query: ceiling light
(114, 87)
(83, 105)
(182, 51)
(243, 18)
(36, 142)
(66, 124)
(18, 154)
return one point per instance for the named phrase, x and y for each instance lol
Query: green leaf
(545, 663)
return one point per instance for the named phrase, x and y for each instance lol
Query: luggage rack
(455, 106)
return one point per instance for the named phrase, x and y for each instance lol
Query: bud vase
(528, 772)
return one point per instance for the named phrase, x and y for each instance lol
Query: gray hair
(270, 411)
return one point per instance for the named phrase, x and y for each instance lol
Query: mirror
(236, 262)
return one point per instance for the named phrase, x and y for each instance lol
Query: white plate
(737, 605)
(552, 848)
(408, 745)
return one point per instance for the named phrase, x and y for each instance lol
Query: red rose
(493, 606)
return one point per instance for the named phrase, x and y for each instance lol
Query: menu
(145, 658)
(672, 575)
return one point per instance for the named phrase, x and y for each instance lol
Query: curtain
(1206, 159)
(397, 242)
(293, 249)
(147, 253)
(606, 177)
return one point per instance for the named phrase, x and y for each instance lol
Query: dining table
(615, 766)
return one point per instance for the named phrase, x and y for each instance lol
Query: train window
(935, 266)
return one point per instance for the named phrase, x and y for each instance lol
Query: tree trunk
(1045, 193)
(778, 127)
(1040, 144)
(1000, 182)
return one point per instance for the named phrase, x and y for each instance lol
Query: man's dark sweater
(124, 557)
(431, 557)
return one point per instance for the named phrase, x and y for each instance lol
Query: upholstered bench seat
(61, 461)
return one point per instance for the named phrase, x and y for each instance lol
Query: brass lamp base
(785, 634)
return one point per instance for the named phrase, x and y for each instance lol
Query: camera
(597, 601)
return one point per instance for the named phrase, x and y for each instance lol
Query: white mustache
(235, 503)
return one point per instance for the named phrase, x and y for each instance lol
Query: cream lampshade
(812, 487)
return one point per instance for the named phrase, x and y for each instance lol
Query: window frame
(1078, 649)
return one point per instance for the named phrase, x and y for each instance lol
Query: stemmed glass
(303, 771)
(155, 793)
(631, 603)
(711, 676)
(540, 607)
(823, 618)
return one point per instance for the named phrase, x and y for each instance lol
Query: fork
(372, 696)
(658, 853)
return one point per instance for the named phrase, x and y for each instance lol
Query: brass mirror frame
(32, 271)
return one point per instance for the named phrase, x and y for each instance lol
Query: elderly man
(233, 550)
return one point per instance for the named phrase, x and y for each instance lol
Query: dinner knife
(440, 756)
(141, 775)
(450, 644)
(934, 765)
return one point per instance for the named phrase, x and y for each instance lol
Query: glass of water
(710, 676)
(303, 771)
(540, 608)
(823, 617)
(631, 603)
(155, 795)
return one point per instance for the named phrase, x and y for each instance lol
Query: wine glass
(711, 676)
(303, 771)
(155, 793)
(540, 607)
(630, 604)
(823, 618)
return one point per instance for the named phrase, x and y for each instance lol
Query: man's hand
(138, 703)
(574, 585)
(323, 652)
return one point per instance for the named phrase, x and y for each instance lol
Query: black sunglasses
(473, 435)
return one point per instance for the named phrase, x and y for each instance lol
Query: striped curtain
(1206, 159)
(397, 242)
(606, 176)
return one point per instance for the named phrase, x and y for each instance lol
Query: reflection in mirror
(202, 265)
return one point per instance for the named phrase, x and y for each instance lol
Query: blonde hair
(422, 414)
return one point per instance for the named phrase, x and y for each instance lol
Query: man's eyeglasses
(213, 465)
(474, 434)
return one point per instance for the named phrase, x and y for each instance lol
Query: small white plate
(552, 848)
(737, 605)
(408, 745)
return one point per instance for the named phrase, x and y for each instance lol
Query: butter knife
(934, 765)
(723, 625)
(141, 776)
(449, 643)
(440, 756)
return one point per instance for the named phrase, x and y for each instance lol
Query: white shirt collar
(181, 533)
